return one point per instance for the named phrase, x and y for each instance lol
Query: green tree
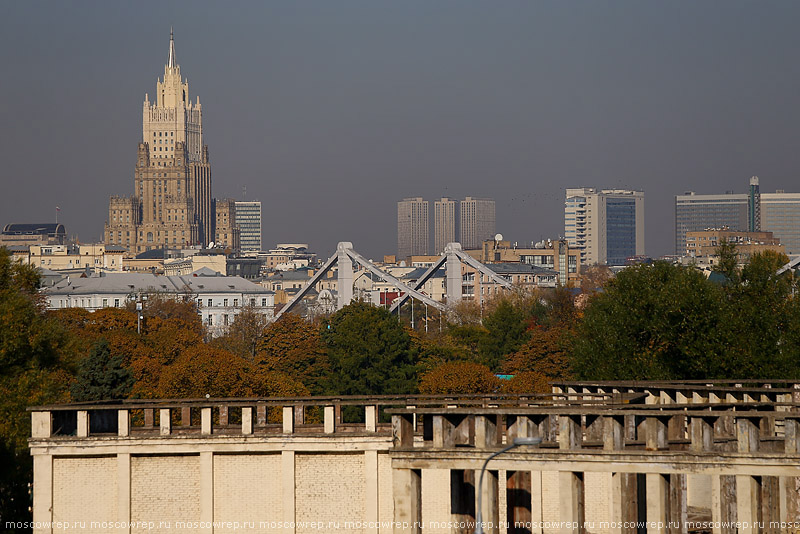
(369, 351)
(656, 321)
(31, 372)
(507, 328)
(102, 376)
(292, 346)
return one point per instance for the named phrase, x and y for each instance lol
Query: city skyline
(311, 104)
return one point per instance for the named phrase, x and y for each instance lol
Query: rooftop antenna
(244, 192)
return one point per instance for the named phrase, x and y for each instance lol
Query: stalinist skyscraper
(171, 204)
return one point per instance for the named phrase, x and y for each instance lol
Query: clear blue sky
(330, 112)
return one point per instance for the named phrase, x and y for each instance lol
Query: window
(225, 302)
(225, 319)
(263, 302)
(116, 303)
(210, 302)
(235, 302)
(210, 322)
(105, 303)
(252, 302)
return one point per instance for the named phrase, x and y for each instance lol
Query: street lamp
(516, 443)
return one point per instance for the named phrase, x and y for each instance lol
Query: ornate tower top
(172, 118)
(171, 62)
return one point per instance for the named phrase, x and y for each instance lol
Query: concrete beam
(407, 492)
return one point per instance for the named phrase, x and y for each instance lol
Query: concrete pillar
(164, 422)
(403, 430)
(223, 415)
(791, 484)
(570, 502)
(207, 488)
(678, 512)
(569, 432)
(723, 503)
(124, 491)
(613, 433)
(623, 499)
(329, 420)
(371, 418)
(83, 424)
(288, 419)
(656, 433)
(748, 503)
(345, 274)
(371, 492)
(571, 489)
(205, 421)
(486, 432)
(41, 424)
(42, 493)
(486, 437)
(748, 488)
(123, 423)
(148, 418)
(701, 430)
(261, 415)
(657, 489)
(247, 420)
(288, 482)
(444, 432)
(453, 273)
(770, 502)
(407, 491)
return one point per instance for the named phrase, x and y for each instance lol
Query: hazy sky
(331, 111)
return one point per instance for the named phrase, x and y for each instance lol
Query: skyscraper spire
(171, 63)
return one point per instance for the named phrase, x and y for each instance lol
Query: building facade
(248, 219)
(780, 214)
(226, 231)
(26, 234)
(777, 212)
(444, 223)
(412, 227)
(219, 298)
(695, 212)
(171, 204)
(606, 225)
(702, 247)
(477, 222)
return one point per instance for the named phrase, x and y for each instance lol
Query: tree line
(658, 321)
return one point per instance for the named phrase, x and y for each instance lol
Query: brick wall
(329, 488)
(550, 496)
(85, 490)
(165, 488)
(247, 489)
(435, 499)
(597, 509)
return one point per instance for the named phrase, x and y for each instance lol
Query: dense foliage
(658, 321)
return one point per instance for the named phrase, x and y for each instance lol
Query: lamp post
(517, 442)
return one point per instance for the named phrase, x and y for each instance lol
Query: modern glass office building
(701, 212)
(248, 218)
(780, 214)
